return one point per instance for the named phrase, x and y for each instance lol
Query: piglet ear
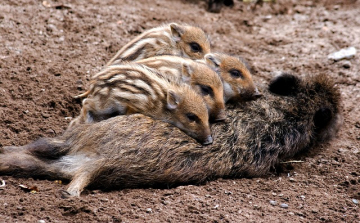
(172, 100)
(212, 60)
(176, 31)
(186, 79)
(187, 70)
(285, 84)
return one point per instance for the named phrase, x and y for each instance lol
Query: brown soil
(47, 55)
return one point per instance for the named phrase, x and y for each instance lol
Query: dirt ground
(48, 50)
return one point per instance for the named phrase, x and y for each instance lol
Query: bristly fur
(169, 39)
(131, 88)
(236, 77)
(134, 151)
(201, 77)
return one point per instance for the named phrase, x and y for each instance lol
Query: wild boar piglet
(203, 79)
(236, 77)
(170, 39)
(134, 88)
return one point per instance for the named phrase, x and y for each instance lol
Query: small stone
(341, 150)
(292, 179)
(44, 115)
(302, 197)
(41, 221)
(323, 161)
(273, 203)
(61, 39)
(346, 64)
(344, 53)
(165, 202)
(355, 201)
(268, 17)
(148, 210)
(228, 192)
(357, 125)
(51, 28)
(283, 205)
(50, 131)
(291, 213)
(2, 183)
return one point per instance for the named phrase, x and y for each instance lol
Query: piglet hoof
(66, 195)
(208, 140)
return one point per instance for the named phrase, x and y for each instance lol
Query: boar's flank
(133, 151)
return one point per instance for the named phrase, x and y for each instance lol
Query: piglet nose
(208, 140)
(221, 116)
(256, 94)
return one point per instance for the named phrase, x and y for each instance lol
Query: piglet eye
(236, 73)
(206, 90)
(192, 117)
(195, 47)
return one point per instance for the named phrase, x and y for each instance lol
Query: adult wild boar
(132, 151)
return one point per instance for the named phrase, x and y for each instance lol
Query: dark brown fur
(132, 151)
(216, 5)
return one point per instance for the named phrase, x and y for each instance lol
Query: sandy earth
(48, 52)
